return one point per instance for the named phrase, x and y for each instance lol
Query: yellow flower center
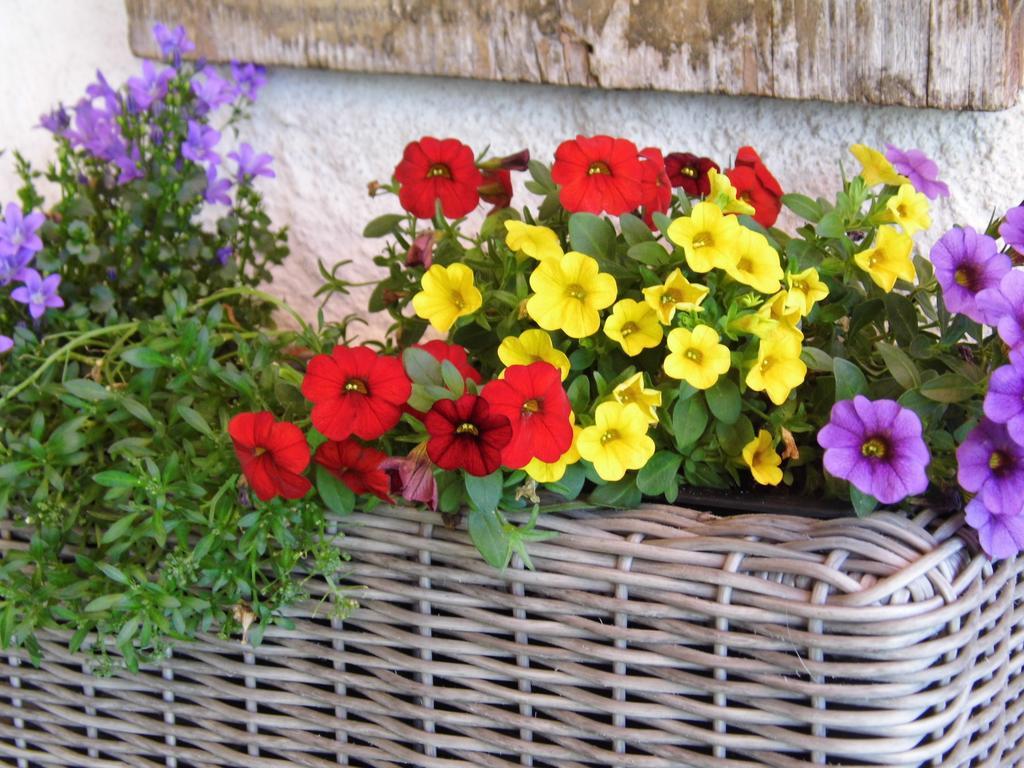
(876, 258)
(439, 170)
(694, 354)
(703, 240)
(875, 448)
(260, 450)
(765, 365)
(575, 291)
(671, 297)
(901, 211)
(531, 406)
(997, 461)
(800, 285)
(598, 168)
(608, 436)
(465, 428)
(356, 385)
(458, 301)
(744, 265)
(688, 171)
(628, 328)
(965, 277)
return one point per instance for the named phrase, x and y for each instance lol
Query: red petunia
(355, 391)
(272, 454)
(598, 174)
(466, 434)
(656, 186)
(456, 355)
(690, 172)
(497, 188)
(755, 184)
(532, 398)
(433, 170)
(357, 466)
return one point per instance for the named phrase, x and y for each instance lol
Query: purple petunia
(991, 465)
(1003, 308)
(174, 42)
(1012, 228)
(151, 87)
(217, 189)
(877, 446)
(212, 90)
(198, 145)
(1004, 401)
(38, 293)
(250, 164)
(919, 168)
(966, 263)
(1001, 536)
(6, 344)
(249, 78)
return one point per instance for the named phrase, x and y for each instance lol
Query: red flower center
(599, 168)
(531, 406)
(439, 170)
(467, 428)
(356, 385)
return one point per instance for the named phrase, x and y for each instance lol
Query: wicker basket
(653, 638)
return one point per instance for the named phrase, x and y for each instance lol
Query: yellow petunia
(875, 168)
(533, 241)
(764, 462)
(707, 237)
(805, 290)
(723, 194)
(448, 294)
(553, 471)
(888, 259)
(675, 293)
(770, 318)
(909, 208)
(634, 325)
(532, 346)
(778, 369)
(569, 294)
(757, 263)
(617, 442)
(632, 390)
(696, 356)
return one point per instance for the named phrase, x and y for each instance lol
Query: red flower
(455, 354)
(433, 170)
(465, 434)
(272, 454)
(690, 172)
(497, 188)
(755, 184)
(598, 174)
(532, 398)
(357, 466)
(656, 186)
(355, 391)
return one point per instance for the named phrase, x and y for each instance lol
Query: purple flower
(966, 263)
(198, 146)
(56, 121)
(128, 163)
(1003, 308)
(6, 344)
(1001, 536)
(151, 87)
(249, 78)
(412, 477)
(991, 465)
(919, 168)
(1004, 401)
(212, 90)
(251, 165)
(38, 292)
(876, 445)
(96, 131)
(1012, 228)
(224, 254)
(19, 236)
(217, 189)
(101, 89)
(174, 42)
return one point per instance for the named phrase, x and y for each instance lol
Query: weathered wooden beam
(951, 54)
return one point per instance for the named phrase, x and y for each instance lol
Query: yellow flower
(723, 194)
(909, 209)
(553, 471)
(778, 369)
(536, 242)
(634, 325)
(618, 440)
(696, 356)
(448, 294)
(875, 169)
(757, 263)
(707, 237)
(888, 259)
(532, 346)
(568, 293)
(760, 456)
(676, 293)
(632, 391)
(805, 290)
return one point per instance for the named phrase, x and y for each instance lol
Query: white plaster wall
(331, 133)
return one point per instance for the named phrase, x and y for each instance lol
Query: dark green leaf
(724, 400)
(899, 364)
(816, 359)
(485, 492)
(104, 602)
(902, 318)
(143, 357)
(488, 534)
(571, 484)
(422, 367)
(195, 420)
(949, 388)
(383, 225)
(649, 253)
(659, 473)
(634, 230)
(863, 503)
(591, 235)
(87, 389)
(622, 494)
(335, 494)
(113, 478)
(689, 419)
(452, 378)
(850, 380)
(803, 206)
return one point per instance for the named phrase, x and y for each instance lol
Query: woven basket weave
(651, 638)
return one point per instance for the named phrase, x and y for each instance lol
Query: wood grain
(951, 54)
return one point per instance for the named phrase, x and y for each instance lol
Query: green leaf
(902, 318)
(850, 380)
(591, 235)
(383, 226)
(949, 388)
(634, 230)
(66, 439)
(485, 492)
(113, 573)
(138, 410)
(863, 503)
(119, 528)
(113, 478)
(195, 420)
(659, 473)
(488, 534)
(649, 253)
(689, 419)
(899, 364)
(15, 469)
(335, 494)
(621, 494)
(579, 393)
(803, 206)
(724, 400)
(816, 359)
(422, 367)
(571, 484)
(831, 225)
(144, 357)
(87, 390)
(104, 602)
(453, 380)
